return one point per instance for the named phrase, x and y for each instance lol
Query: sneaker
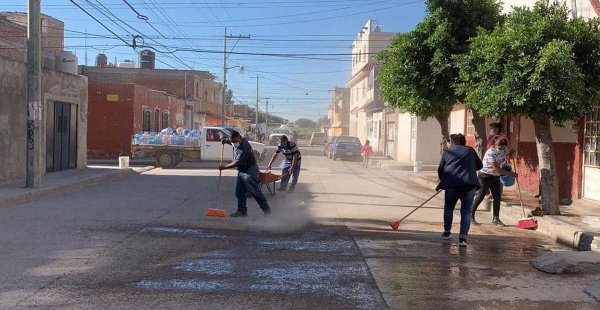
(462, 242)
(473, 221)
(496, 221)
(238, 214)
(281, 189)
(267, 211)
(446, 235)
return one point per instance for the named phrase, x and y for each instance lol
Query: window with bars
(156, 118)
(165, 120)
(592, 138)
(470, 127)
(146, 120)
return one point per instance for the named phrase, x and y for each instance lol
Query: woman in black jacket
(458, 177)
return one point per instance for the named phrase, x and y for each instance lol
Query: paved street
(143, 242)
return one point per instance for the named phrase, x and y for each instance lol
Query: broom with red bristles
(525, 222)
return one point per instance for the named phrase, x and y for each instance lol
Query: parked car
(317, 138)
(345, 147)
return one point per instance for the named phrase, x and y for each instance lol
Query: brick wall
(13, 40)
(110, 119)
(568, 164)
(116, 113)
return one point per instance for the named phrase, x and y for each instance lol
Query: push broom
(396, 223)
(218, 212)
(525, 222)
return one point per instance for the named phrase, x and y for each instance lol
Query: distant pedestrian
(248, 174)
(458, 177)
(291, 166)
(489, 178)
(366, 152)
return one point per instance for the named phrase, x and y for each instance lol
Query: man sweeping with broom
(248, 174)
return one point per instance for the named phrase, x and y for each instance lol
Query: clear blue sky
(298, 87)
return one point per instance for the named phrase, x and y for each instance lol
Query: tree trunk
(547, 167)
(480, 133)
(443, 120)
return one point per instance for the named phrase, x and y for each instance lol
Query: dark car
(345, 147)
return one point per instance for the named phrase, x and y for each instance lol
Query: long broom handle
(417, 208)
(519, 189)
(220, 173)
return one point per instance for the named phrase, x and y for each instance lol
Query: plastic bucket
(123, 162)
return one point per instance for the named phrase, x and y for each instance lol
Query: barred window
(592, 138)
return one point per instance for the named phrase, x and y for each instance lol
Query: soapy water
(182, 232)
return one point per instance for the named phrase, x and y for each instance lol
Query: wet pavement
(143, 243)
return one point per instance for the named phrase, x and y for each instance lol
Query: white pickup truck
(208, 148)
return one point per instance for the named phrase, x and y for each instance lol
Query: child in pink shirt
(366, 152)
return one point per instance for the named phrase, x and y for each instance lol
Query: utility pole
(225, 55)
(33, 177)
(224, 77)
(256, 114)
(267, 114)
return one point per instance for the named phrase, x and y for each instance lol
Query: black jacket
(458, 168)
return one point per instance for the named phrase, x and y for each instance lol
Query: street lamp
(242, 69)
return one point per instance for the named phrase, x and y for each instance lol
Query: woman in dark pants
(489, 178)
(458, 177)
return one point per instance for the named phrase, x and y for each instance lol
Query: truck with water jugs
(205, 147)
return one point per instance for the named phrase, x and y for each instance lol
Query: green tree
(306, 123)
(419, 72)
(540, 64)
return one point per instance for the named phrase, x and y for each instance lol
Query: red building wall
(116, 113)
(157, 100)
(568, 164)
(110, 123)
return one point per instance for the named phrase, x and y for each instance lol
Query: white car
(276, 135)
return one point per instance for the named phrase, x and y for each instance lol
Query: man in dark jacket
(458, 177)
(248, 174)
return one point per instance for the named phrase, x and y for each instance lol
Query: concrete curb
(552, 226)
(65, 188)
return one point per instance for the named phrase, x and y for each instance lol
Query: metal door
(591, 155)
(61, 139)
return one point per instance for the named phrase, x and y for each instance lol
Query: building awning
(373, 106)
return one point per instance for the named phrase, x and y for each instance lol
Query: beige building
(367, 110)
(581, 8)
(338, 113)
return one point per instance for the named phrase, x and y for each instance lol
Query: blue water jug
(506, 180)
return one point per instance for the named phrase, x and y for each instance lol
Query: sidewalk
(390, 164)
(578, 226)
(14, 193)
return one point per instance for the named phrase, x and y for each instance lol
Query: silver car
(317, 138)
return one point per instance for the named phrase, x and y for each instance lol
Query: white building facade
(367, 110)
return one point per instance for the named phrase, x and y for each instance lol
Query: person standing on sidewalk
(489, 177)
(366, 152)
(291, 166)
(248, 174)
(458, 177)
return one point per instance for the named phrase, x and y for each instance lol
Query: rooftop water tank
(101, 60)
(147, 59)
(66, 62)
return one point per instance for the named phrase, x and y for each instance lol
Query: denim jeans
(466, 197)
(489, 183)
(248, 181)
(286, 176)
